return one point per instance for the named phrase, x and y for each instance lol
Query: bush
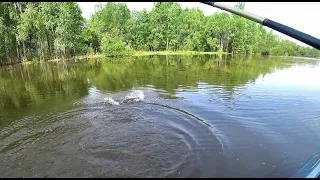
(113, 46)
(90, 50)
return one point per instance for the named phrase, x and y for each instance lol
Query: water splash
(134, 96)
(111, 101)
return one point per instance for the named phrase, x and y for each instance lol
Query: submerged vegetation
(51, 30)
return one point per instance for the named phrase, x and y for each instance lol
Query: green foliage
(289, 48)
(240, 5)
(47, 30)
(113, 46)
(69, 28)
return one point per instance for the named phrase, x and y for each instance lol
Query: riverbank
(145, 53)
(148, 53)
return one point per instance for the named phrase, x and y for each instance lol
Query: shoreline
(135, 54)
(143, 53)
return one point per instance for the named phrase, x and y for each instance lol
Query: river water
(160, 116)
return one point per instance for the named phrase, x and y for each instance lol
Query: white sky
(303, 16)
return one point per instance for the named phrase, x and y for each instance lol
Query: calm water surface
(163, 116)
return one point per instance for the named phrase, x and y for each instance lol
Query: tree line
(47, 30)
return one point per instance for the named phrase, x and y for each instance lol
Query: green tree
(69, 28)
(113, 46)
(46, 30)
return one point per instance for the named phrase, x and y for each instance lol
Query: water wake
(134, 96)
(111, 101)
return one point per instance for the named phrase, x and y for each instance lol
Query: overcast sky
(303, 16)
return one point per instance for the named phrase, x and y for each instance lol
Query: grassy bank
(148, 53)
(78, 57)
(136, 53)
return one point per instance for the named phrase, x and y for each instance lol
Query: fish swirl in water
(144, 140)
(134, 96)
(135, 139)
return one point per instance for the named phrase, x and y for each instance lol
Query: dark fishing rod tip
(209, 3)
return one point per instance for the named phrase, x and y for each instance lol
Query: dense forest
(47, 30)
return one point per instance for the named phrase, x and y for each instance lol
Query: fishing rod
(298, 35)
(303, 37)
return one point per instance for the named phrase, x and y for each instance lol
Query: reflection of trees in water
(42, 86)
(44, 83)
(187, 71)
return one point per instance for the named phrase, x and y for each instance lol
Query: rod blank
(303, 37)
